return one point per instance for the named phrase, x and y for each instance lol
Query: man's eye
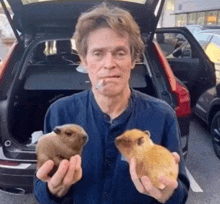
(98, 54)
(120, 54)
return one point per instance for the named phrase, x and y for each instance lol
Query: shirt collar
(121, 117)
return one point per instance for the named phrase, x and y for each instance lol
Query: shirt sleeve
(43, 195)
(171, 140)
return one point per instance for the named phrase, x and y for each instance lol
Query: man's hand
(145, 186)
(68, 173)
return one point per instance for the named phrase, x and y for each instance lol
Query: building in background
(189, 12)
(202, 12)
(167, 18)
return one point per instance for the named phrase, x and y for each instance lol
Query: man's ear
(83, 61)
(133, 64)
(147, 132)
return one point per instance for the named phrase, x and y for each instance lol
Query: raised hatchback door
(187, 59)
(61, 15)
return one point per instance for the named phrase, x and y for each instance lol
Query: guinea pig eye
(140, 141)
(68, 133)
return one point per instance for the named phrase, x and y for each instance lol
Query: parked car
(208, 109)
(197, 28)
(36, 73)
(210, 42)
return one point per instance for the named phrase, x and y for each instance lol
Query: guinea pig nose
(85, 137)
(57, 131)
(118, 140)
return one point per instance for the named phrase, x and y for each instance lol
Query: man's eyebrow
(124, 48)
(97, 49)
(101, 49)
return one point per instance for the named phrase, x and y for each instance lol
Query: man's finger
(71, 172)
(152, 191)
(60, 173)
(134, 176)
(78, 169)
(168, 183)
(177, 157)
(44, 170)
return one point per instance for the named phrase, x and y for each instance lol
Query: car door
(187, 59)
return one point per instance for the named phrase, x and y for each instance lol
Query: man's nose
(109, 61)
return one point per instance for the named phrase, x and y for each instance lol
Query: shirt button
(108, 162)
(105, 193)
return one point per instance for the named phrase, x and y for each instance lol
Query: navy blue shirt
(106, 178)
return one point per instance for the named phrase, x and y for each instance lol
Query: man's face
(108, 60)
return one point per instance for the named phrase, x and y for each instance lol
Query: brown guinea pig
(62, 143)
(151, 160)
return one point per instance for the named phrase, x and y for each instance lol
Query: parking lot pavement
(203, 166)
(7, 198)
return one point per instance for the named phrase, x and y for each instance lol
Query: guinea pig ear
(140, 141)
(57, 130)
(148, 133)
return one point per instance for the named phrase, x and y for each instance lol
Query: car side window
(203, 39)
(174, 45)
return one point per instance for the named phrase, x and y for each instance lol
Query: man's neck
(113, 105)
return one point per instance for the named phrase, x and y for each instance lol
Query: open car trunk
(37, 85)
(44, 83)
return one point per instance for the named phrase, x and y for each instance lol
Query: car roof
(61, 15)
(212, 31)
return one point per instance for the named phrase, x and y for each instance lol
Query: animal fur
(151, 160)
(62, 143)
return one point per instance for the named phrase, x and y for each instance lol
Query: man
(109, 43)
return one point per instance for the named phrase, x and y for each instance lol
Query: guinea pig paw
(161, 186)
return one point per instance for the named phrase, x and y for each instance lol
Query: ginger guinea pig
(63, 142)
(151, 160)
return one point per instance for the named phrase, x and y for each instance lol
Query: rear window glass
(24, 2)
(51, 47)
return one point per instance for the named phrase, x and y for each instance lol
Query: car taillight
(6, 60)
(8, 163)
(183, 107)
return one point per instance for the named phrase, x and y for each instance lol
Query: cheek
(126, 68)
(92, 69)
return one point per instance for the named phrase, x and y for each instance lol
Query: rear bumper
(22, 178)
(184, 124)
(17, 177)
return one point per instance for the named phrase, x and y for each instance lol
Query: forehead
(106, 38)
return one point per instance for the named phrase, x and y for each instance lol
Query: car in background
(210, 42)
(194, 28)
(208, 106)
(208, 109)
(41, 67)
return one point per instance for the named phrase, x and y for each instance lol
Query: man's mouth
(105, 79)
(112, 76)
